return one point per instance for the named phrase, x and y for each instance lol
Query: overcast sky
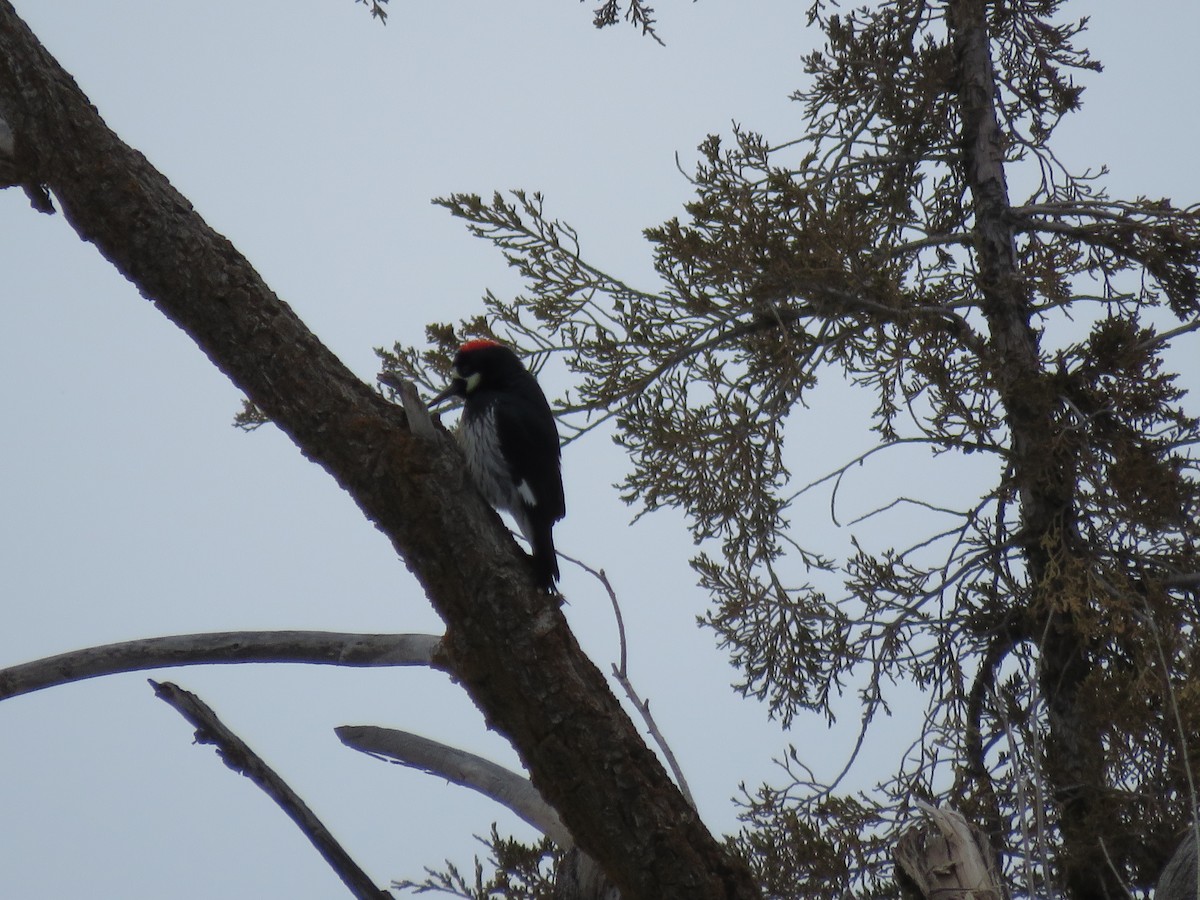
(314, 139)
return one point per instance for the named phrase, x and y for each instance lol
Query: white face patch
(472, 381)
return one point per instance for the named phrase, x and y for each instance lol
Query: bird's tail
(545, 559)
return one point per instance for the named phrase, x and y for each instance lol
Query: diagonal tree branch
(235, 753)
(508, 643)
(311, 647)
(509, 789)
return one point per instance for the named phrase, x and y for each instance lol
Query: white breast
(481, 446)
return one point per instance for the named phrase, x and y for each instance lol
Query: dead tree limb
(508, 788)
(308, 647)
(235, 753)
(576, 875)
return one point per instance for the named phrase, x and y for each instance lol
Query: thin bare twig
(621, 674)
(235, 753)
(841, 470)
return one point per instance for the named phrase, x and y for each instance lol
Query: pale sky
(314, 139)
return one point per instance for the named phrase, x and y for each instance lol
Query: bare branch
(235, 753)
(837, 474)
(621, 674)
(311, 647)
(643, 708)
(1166, 337)
(508, 788)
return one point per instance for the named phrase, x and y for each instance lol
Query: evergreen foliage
(1050, 619)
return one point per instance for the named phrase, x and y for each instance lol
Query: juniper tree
(1050, 619)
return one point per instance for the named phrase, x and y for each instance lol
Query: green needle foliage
(1049, 621)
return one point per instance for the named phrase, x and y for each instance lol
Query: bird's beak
(455, 387)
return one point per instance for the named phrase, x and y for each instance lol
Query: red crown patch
(478, 344)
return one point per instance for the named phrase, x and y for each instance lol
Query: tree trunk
(1042, 469)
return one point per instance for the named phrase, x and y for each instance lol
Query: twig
(506, 787)
(621, 674)
(1023, 804)
(1112, 867)
(886, 445)
(311, 647)
(643, 708)
(238, 756)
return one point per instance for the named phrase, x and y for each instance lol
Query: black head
(482, 365)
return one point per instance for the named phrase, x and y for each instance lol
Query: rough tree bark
(507, 643)
(1180, 879)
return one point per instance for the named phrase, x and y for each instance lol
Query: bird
(508, 436)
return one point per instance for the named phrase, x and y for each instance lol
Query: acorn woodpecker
(510, 441)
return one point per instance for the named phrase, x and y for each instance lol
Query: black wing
(530, 440)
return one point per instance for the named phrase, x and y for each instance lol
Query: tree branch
(238, 756)
(311, 647)
(509, 789)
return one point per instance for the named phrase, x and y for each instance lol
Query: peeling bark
(947, 858)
